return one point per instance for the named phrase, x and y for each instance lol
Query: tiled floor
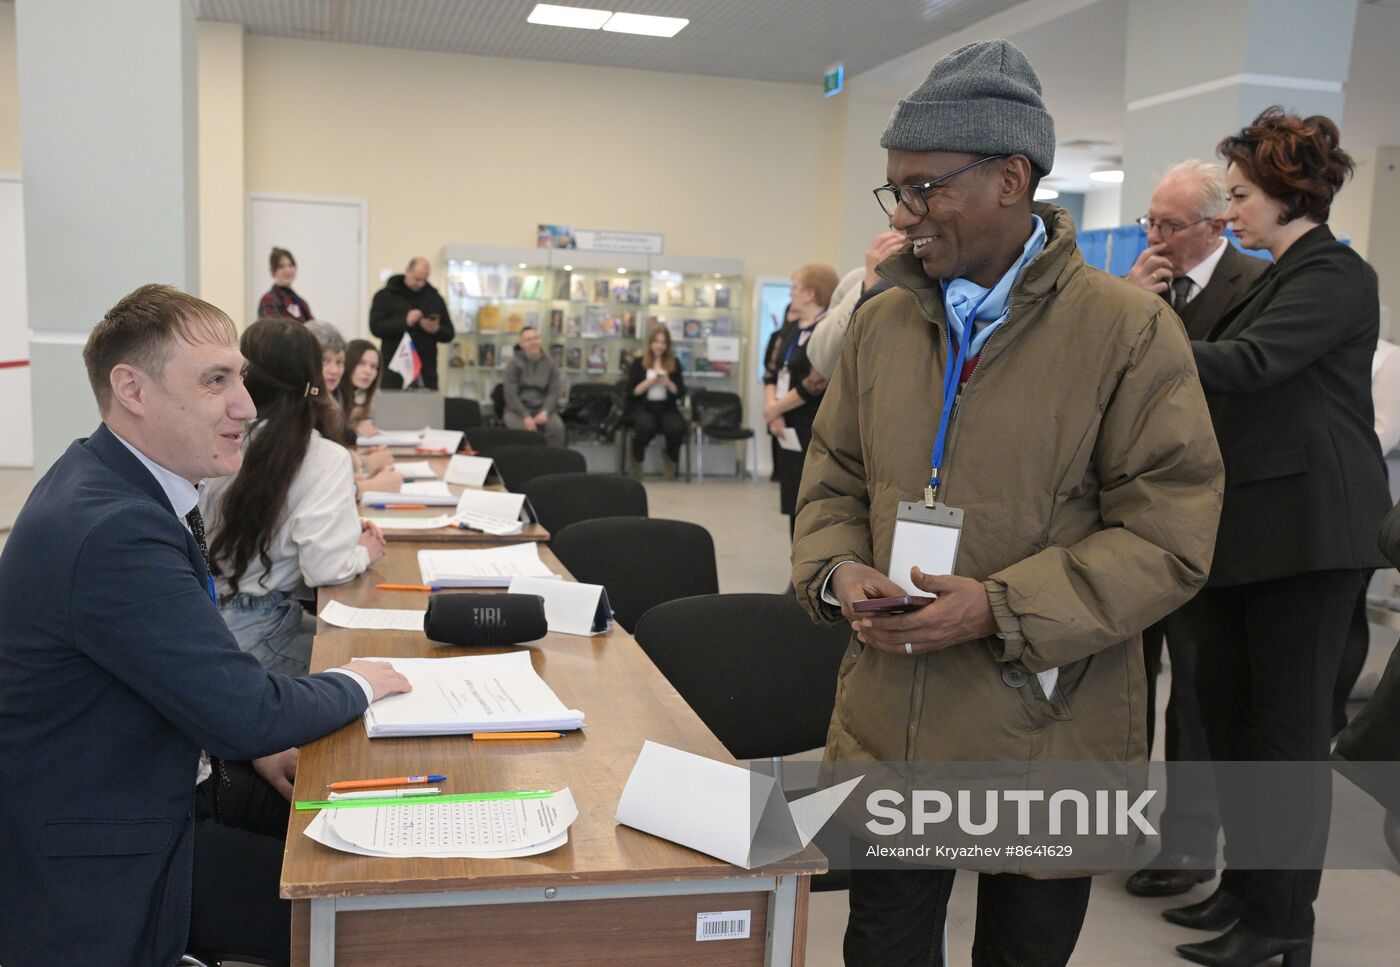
(1357, 912)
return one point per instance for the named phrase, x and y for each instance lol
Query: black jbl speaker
(485, 619)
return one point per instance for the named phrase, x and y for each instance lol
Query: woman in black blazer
(655, 387)
(1287, 375)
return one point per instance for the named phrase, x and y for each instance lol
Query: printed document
(388, 619)
(416, 470)
(476, 693)
(484, 829)
(490, 568)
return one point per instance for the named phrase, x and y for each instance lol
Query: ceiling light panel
(552, 15)
(641, 23)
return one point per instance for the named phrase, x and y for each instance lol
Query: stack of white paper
(389, 619)
(410, 523)
(468, 471)
(490, 568)
(480, 829)
(391, 438)
(415, 470)
(414, 495)
(478, 693)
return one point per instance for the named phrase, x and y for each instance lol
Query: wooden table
(449, 535)
(612, 895)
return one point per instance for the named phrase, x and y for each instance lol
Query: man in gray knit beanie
(1049, 413)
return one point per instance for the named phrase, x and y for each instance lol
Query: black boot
(1242, 947)
(1216, 912)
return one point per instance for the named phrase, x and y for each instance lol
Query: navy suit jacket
(115, 670)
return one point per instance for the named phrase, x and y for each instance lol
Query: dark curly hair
(1297, 161)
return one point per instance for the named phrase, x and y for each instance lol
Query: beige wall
(1383, 248)
(221, 194)
(9, 91)
(462, 149)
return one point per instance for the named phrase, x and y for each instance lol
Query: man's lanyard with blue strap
(953, 301)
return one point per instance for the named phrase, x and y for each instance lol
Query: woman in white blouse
(287, 522)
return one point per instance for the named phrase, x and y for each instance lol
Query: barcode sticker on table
(724, 925)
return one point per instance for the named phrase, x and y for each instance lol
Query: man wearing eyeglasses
(1200, 275)
(1049, 412)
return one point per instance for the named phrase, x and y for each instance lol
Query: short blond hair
(820, 278)
(141, 329)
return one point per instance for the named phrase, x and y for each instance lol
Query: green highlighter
(306, 804)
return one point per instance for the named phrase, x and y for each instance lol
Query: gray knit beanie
(981, 99)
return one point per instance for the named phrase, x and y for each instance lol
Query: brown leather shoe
(1166, 882)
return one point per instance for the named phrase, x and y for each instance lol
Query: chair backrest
(486, 439)
(754, 667)
(641, 561)
(460, 414)
(561, 499)
(498, 401)
(716, 408)
(593, 407)
(518, 465)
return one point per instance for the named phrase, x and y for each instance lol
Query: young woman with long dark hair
(655, 387)
(287, 522)
(359, 384)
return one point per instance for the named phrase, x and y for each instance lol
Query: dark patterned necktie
(1181, 288)
(196, 521)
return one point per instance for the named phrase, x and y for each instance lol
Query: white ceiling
(771, 40)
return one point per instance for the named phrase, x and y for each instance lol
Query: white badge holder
(926, 537)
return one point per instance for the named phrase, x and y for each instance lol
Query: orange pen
(397, 781)
(399, 506)
(405, 587)
(504, 736)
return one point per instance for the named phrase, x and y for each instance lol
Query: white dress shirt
(1385, 393)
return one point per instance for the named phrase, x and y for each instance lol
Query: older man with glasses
(1200, 275)
(1055, 412)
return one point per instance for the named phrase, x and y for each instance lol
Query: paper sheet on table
(720, 809)
(445, 441)
(492, 503)
(475, 693)
(375, 497)
(570, 607)
(416, 470)
(487, 829)
(388, 619)
(391, 438)
(490, 568)
(427, 488)
(789, 441)
(468, 471)
(410, 523)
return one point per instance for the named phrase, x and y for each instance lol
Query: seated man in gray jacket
(534, 390)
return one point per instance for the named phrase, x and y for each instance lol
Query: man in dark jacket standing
(408, 304)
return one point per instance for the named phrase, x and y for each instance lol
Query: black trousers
(897, 919)
(1190, 822)
(1266, 667)
(1353, 659)
(234, 906)
(645, 424)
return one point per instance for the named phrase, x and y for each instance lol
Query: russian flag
(406, 362)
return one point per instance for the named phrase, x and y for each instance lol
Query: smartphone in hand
(897, 605)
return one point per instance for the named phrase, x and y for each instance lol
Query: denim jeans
(273, 628)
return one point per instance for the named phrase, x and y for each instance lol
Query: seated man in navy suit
(116, 669)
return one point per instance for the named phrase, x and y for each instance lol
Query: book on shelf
(572, 324)
(532, 320)
(704, 295)
(455, 359)
(561, 286)
(573, 358)
(675, 294)
(515, 322)
(578, 288)
(597, 359)
(685, 356)
(634, 292)
(513, 286)
(488, 319)
(492, 284)
(629, 324)
(675, 327)
(486, 355)
(618, 290)
(625, 357)
(721, 296)
(556, 354)
(532, 287)
(593, 322)
(724, 326)
(600, 290)
(556, 321)
(693, 329)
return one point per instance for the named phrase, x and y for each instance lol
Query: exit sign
(833, 80)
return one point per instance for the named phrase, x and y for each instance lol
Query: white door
(327, 238)
(16, 433)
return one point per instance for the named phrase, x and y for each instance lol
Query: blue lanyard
(952, 379)
(797, 340)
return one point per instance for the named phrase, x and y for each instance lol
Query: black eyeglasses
(915, 197)
(1168, 229)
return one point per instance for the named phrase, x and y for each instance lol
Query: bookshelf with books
(594, 311)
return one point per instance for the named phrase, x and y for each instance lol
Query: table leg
(322, 952)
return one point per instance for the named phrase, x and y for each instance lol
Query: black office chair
(460, 414)
(717, 415)
(561, 499)
(498, 403)
(756, 670)
(518, 465)
(485, 439)
(641, 561)
(594, 411)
